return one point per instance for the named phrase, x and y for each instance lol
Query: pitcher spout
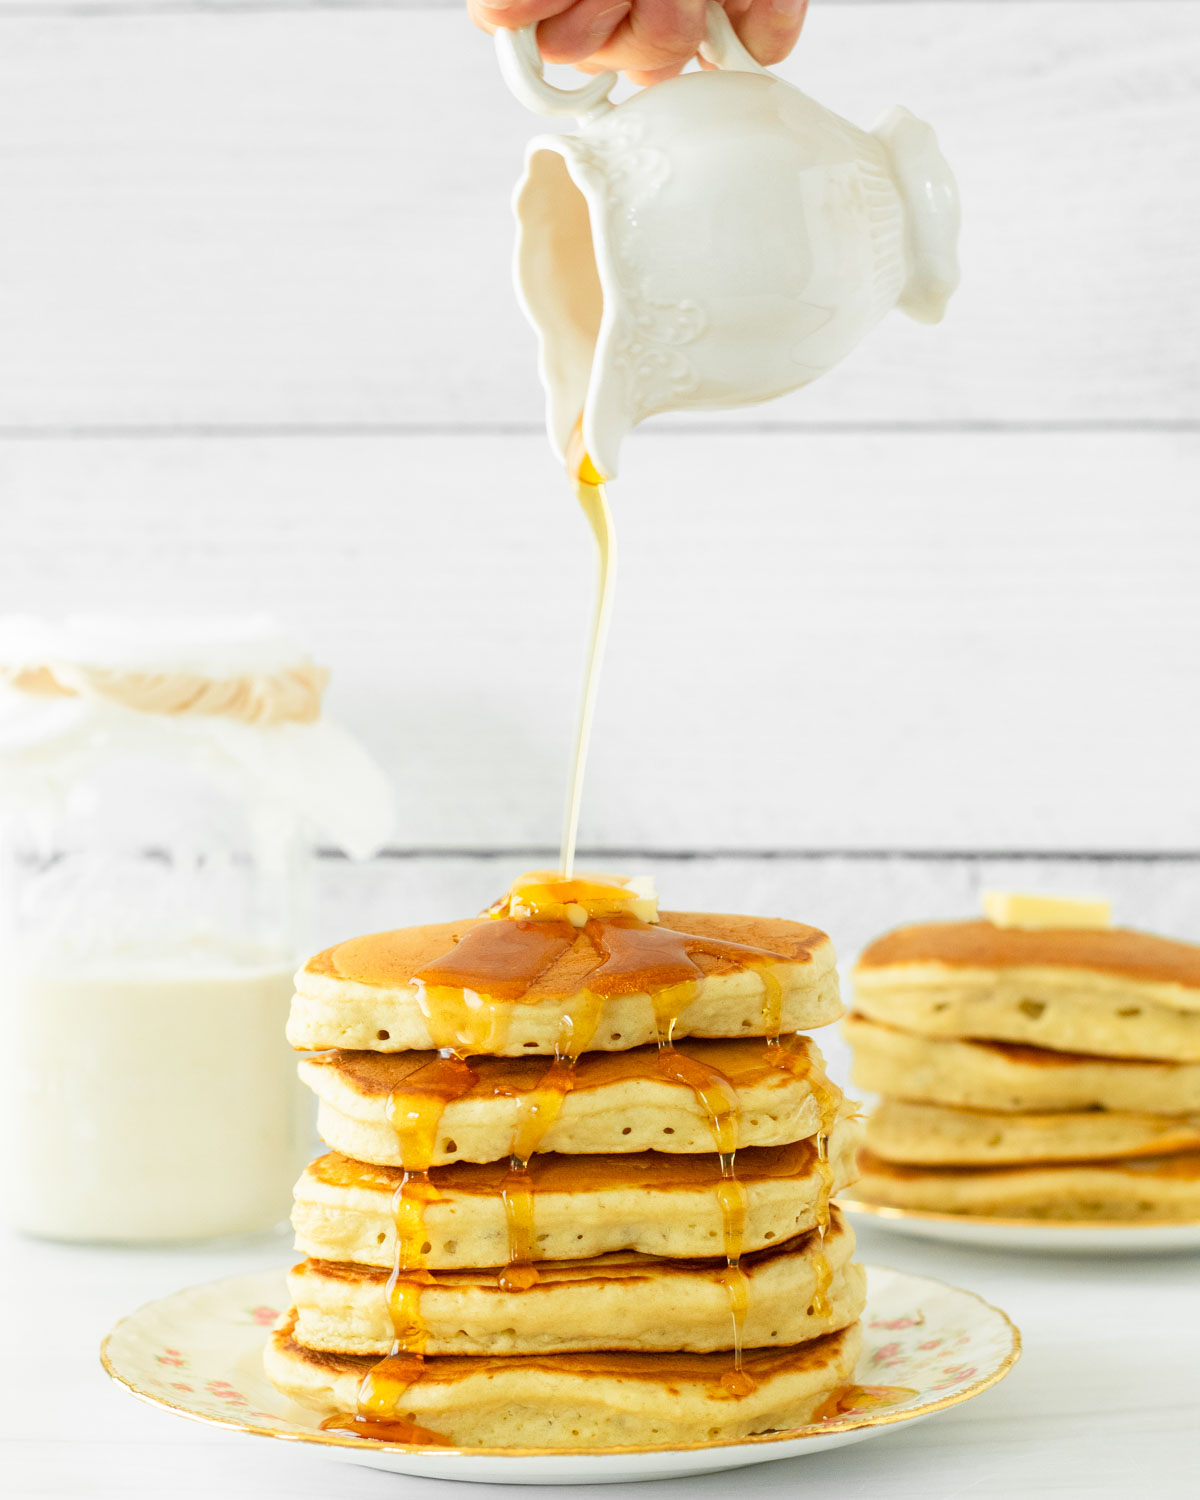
(561, 278)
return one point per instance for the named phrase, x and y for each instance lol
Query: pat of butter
(1021, 909)
(546, 896)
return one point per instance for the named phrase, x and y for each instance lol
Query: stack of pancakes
(1049, 1074)
(579, 1191)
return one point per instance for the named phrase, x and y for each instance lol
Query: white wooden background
(926, 627)
(258, 349)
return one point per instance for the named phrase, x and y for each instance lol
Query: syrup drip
(415, 1113)
(772, 1006)
(538, 1113)
(829, 1100)
(640, 956)
(498, 961)
(718, 1097)
(637, 956)
(385, 1430)
(850, 1400)
(589, 489)
(494, 961)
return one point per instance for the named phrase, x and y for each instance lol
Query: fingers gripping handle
(523, 70)
(723, 47)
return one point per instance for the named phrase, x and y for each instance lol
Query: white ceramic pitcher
(715, 240)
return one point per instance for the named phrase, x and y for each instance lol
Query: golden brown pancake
(585, 1400)
(1011, 1076)
(1109, 992)
(374, 993)
(936, 1135)
(620, 1101)
(582, 1206)
(1151, 1189)
(618, 1301)
(979, 944)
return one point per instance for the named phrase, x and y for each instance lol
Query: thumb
(769, 28)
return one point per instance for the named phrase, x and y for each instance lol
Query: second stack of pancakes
(1043, 1073)
(579, 1191)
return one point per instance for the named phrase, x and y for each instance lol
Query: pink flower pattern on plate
(212, 1366)
(263, 1317)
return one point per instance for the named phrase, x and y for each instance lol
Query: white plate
(1064, 1236)
(199, 1353)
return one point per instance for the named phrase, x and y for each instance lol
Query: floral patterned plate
(199, 1353)
(1050, 1236)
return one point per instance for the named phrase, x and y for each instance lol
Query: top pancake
(1112, 992)
(1138, 956)
(400, 991)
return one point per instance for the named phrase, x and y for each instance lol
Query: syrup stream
(589, 488)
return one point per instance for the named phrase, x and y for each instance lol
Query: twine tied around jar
(288, 695)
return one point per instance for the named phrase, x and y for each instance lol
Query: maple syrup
(551, 1173)
(385, 1429)
(414, 1112)
(593, 500)
(539, 1111)
(850, 1400)
(828, 1097)
(462, 994)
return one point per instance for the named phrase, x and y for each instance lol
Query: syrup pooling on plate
(385, 1430)
(850, 1400)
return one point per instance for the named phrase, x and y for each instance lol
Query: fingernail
(604, 24)
(790, 10)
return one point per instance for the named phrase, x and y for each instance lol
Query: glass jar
(155, 873)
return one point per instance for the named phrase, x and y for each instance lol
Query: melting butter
(1026, 910)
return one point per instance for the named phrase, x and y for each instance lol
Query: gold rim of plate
(373, 1445)
(932, 1216)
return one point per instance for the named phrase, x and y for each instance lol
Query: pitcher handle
(523, 70)
(723, 47)
(525, 73)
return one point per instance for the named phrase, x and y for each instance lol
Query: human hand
(647, 39)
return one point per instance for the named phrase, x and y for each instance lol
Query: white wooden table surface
(1105, 1401)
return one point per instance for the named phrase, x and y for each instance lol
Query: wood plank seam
(540, 853)
(221, 431)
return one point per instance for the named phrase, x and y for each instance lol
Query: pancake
(934, 1135)
(619, 1301)
(585, 1400)
(1148, 1189)
(1112, 992)
(582, 1207)
(620, 1101)
(410, 991)
(1009, 1076)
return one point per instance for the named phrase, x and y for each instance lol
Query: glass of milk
(155, 867)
